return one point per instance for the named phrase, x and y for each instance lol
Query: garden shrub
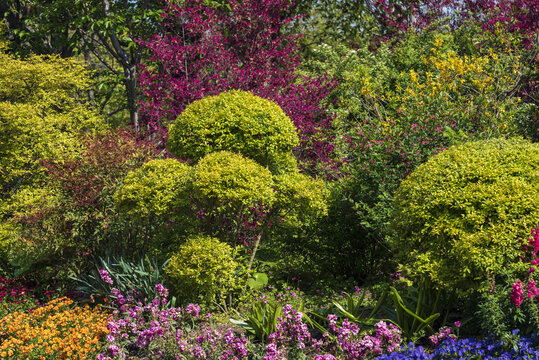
(462, 213)
(303, 196)
(236, 121)
(155, 188)
(42, 113)
(203, 268)
(229, 177)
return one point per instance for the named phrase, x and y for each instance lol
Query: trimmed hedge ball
(203, 268)
(236, 121)
(464, 212)
(232, 178)
(155, 188)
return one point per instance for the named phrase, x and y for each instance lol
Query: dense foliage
(331, 195)
(42, 109)
(206, 50)
(463, 212)
(204, 267)
(235, 121)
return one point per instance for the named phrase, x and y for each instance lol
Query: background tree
(103, 32)
(207, 50)
(42, 112)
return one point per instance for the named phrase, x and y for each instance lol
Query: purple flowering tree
(205, 50)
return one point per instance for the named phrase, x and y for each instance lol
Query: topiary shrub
(300, 196)
(462, 213)
(230, 178)
(237, 121)
(203, 268)
(155, 188)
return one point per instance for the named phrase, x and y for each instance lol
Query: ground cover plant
(224, 179)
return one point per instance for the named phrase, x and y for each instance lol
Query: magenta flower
(105, 276)
(517, 293)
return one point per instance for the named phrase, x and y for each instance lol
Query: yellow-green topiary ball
(463, 212)
(231, 178)
(236, 121)
(203, 268)
(155, 188)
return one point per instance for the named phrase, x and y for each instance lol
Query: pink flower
(532, 290)
(517, 293)
(457, 324)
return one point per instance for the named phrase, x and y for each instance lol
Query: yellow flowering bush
(58, 330)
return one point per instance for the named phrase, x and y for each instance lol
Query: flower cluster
(54, 331)
(15, 296)
(357, 345)
(444, 333)
(291, 333)
(468, 349)
(530, 250)
(157, 331)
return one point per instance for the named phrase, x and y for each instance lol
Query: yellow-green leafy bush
(16, 236)
(155, 188)
(237, 121)
(301, 195)
(231, 178)
(203, 268)
(42, 112)
(463, 212)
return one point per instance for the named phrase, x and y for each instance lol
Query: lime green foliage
(463, 212)
(41, 113)
(203, 268)
(155, 189)
(237, 121)
(16, 237)
(302, 196)
(229, 177)
(401, 104)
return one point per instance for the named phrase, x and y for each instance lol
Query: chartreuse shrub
(228, 177)
(42, 112)
(301, 196)
(236, 121)
(18, 241)
(155, 188)
(462, 213)
(203, 268)
(156, 197)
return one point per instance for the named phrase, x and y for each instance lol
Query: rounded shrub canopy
(301, 195)
(232, 178)
(203, 267)
(465, 211)
(236, 121)
(155, 188)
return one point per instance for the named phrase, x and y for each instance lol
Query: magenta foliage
(207, 50)
(517, 15)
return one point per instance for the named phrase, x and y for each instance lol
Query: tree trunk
(132, 94)
(257, 242)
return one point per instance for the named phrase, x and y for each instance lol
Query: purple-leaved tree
(204, 50)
